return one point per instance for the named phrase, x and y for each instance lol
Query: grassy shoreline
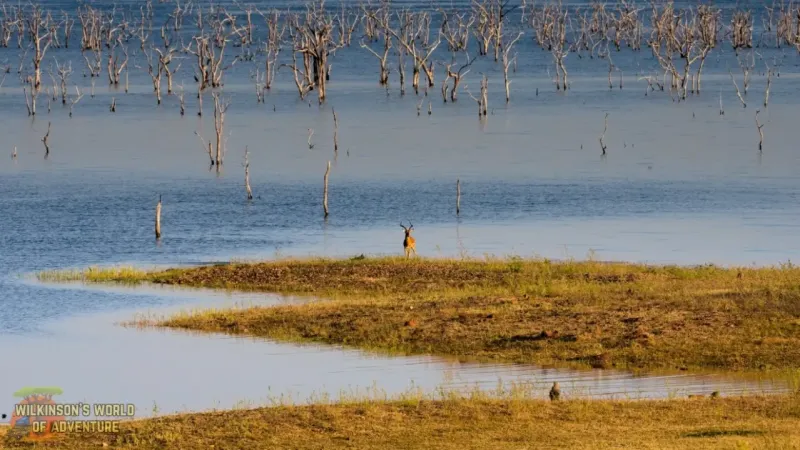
(459, 422)
(585, 313)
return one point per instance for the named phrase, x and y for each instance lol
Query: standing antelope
(409, 244)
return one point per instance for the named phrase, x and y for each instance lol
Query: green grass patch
(582, 313)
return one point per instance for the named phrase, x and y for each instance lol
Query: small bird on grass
(555, 392)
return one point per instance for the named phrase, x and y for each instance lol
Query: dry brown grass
(771, 422)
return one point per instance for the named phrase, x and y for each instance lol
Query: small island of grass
(587, 313)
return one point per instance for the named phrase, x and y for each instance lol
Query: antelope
(555, 392)
(409, 244)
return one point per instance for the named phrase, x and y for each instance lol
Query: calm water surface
(680, 184)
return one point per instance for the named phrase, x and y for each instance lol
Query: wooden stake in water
(158, 218)
(458, 197)
(325, 190)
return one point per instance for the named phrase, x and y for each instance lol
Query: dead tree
(456, 29)
(247, 175)
(689, 34)
(75, 100)
(759, 126)
(44, 141)
(558, 44)
(94, 66)
(346, 23)
(741, 30)
(382, 59)
(92, 24)
(491, 15)
(63, 76)
(746, 67)
(485, 94)
(30, 100)
(478, 100)
(738, 92)
(220, 108)
(458, 197)
(413, 29)
(302, 77)
(199, 101)
(315, 34)
(206, 148)
(325, 190)
(506, 62)
(115, 65)
(39, 29)
(209, 48)
(158, 218)
(164, 60)
(272, 47)
(182, 104)
(707, 26)
(769, 84)
(310, 134)
(457, 76)
(602, 136)
(379, 20)
(260, 90)
(7, 25)
(155, 70)
(335, 132)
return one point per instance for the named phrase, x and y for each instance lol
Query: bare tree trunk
(458, 197)
(759, 126)
(602, 136)
(335, 132)
(247, 175)
(158, 218)
(44, 141)
(769, 84)
(325, 190)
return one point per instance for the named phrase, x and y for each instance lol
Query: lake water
(680, 184)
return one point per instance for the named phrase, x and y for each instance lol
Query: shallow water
(680, 184)
(95, 360)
